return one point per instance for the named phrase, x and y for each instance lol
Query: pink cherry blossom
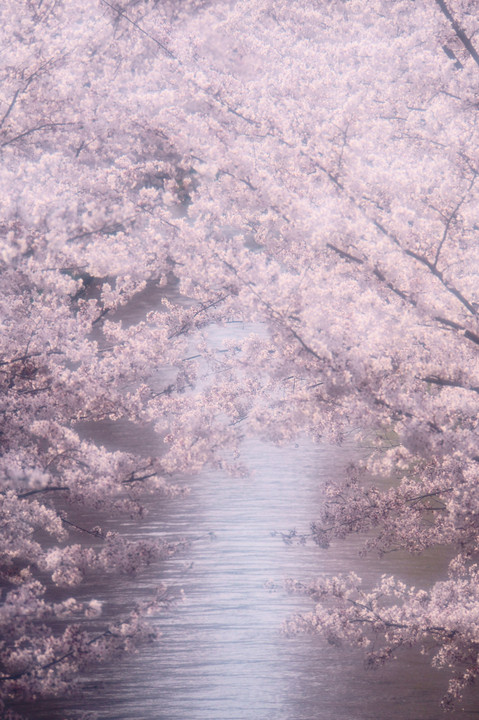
(307, 168)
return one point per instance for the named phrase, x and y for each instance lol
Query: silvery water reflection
(222, 655)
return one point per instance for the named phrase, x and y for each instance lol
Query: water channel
(222, 654)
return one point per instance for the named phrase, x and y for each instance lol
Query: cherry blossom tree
(78, 242)
(310, 166)
(335, 200)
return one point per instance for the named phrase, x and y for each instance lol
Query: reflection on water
(222, 655)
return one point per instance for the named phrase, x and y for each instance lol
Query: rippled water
(222, 655)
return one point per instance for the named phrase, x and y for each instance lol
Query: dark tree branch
(458, 64)
(23, 89)
(56, 661)
(437, 273)
(459, 31)
(45, 126)
(95, 533)
(202, 309)
(345, 255)
(140, 478)
(452, 217)
(444, 382)
(120, 13)
(52, 488)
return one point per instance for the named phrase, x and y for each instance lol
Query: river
(222, 654)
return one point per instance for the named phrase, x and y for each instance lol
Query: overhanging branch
(459, 31)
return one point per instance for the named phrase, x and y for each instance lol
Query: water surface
(222, 654)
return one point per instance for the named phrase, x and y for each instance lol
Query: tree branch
(52, 488)
(120, 13)
(459, 31)
(444, 382)
(35, 129)
(452, 217)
